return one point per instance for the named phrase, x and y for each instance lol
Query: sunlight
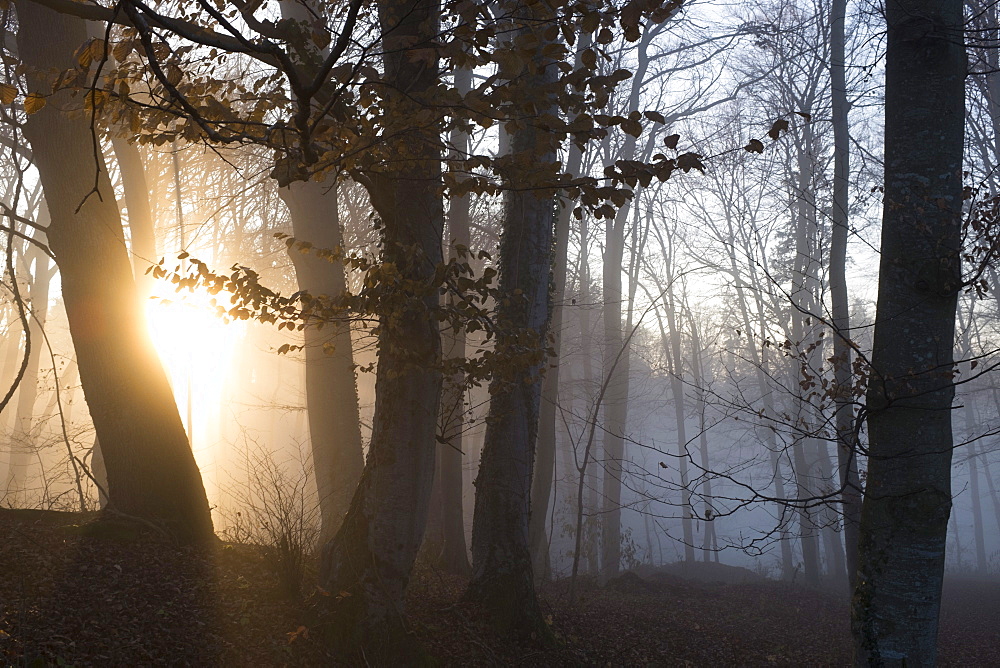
(196, 348)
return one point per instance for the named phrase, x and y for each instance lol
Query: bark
(152, 473)
(372, 554)
(331, 390)
(11, 360)
(331, 387)
(833, 547)
(907, 502)
(847, 462)
(501, 563)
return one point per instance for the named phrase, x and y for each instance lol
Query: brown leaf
(631, 127)
(33, 102)
(779, 126)
(7, 93)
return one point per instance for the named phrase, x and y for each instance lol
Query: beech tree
(502, 573)
(151, 471)
(907, 502)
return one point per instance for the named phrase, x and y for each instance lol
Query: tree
(372, 554)
(501, 562)
(151, 471)
(907, 501)
(331, 391)
(847, 462)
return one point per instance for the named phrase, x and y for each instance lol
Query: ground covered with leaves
(78, 592)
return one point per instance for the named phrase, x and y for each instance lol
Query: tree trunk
(587, 500)
(140, 215)
(616, 352)
(977, 503)
(501, 563)
(454, 556)
(701, 391)
(23, 444)
(545, 457)
(372, 554)
(152, 473)
(904, 518)
(331, 390)
(803, 278)
(847, 461)
(677, 390)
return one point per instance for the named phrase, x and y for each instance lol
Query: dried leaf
(33, 102)
(7, 93)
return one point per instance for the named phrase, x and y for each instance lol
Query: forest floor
(73, 592)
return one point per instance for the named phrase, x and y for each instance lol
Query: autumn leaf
(7, 93)
(779, 126)
(96, 48)
(33, 102)
(122, 50)
(670, 141)
(754, 146)
(690, 161)
(632, 127)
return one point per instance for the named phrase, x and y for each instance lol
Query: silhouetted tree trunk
(151, 471)
(545, 457)
(805, 448)
(616, 351)
(501, 563)
(372, 554)
(904, 519)
(847, 461)
(331, 388)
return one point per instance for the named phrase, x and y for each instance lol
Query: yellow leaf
(33, 102)
(122, 50)
(93, 100)
(97, 49)
(84, 58)
(7, 93)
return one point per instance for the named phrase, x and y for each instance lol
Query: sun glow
(197, 350)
